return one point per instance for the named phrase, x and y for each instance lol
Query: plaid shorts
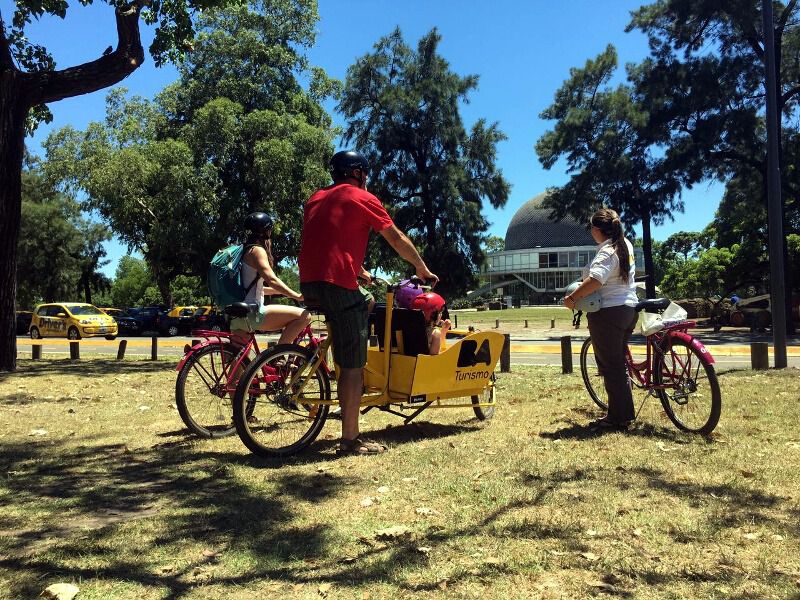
(346, 312)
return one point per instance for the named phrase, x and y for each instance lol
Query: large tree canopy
(704, 83)
(60, 251)
(29, 80)
(612, 151)
(176, 176)
(402, 109)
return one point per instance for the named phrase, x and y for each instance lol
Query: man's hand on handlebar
(427, 276)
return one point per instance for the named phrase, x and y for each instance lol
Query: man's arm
(406, 250)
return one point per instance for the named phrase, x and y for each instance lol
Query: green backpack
(225, 277)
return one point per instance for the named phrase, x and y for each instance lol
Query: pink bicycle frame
(642, 372)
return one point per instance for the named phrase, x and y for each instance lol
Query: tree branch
(740, 158)
(785, 16)
(788, 95)
(6, 60)
(49, 86)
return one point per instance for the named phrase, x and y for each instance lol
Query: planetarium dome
(531, 227)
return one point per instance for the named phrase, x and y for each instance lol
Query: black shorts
(346, 311)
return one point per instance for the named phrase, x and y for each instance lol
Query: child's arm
(439, 336)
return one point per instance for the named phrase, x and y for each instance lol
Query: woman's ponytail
(608, 221)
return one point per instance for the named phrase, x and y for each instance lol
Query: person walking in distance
(337, 221)
(611, 274)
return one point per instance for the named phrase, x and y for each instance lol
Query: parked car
(23, 321)
(210, 317)
(149, 316)
(128, 324)
(178, 320)
(74, 320)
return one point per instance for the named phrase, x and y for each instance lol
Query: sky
(522, 51)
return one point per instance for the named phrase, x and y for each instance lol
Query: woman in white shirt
(611, 274)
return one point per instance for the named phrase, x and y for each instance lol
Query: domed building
(541, 256)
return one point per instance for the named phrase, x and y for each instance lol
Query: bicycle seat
(237, 310)
(652, 304)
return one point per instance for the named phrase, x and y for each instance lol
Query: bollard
(552, 323)
(74, 350)
(526, 323)
(36, 351)
(497, 323)
(759, 355)
(505, 354)
(154, 348)
(195, 342)
(456, 319)
(123, 344)
(566, 354)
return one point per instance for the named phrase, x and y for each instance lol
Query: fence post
(526, 323)
(123, 344)
(497, 323)
(759, 355)
(552, 323)
(154, 348)
(74, 350)
(505, 354)
(566, 354)
(36, 351)
(455, 316)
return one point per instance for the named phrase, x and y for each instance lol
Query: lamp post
(777, 285)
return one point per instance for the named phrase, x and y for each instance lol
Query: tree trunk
(647, 250)
(19, 91)
(13, 110)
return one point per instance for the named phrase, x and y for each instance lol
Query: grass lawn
(101, 487)
(513, 319)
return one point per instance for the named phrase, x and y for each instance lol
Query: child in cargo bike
(410, 295)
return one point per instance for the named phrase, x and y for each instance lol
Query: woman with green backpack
(259, 279)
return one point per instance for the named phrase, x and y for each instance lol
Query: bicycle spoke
(272, 409)
(688, 388)
(202, 392)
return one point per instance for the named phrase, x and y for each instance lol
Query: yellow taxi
(73, 320)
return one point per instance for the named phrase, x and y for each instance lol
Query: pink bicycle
(677, 369)
(209, 372)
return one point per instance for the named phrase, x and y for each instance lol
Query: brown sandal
(359, 446)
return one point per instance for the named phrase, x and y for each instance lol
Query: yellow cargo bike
(283, 397)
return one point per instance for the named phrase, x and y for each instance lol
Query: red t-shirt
(336, 225)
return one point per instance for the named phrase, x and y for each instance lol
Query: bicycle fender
(705, 355)
(191, 351)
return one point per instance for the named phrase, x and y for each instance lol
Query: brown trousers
(611, 329)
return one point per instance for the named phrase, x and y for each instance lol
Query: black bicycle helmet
(343, 163)
(258, 223)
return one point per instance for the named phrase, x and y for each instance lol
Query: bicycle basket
(650, 323)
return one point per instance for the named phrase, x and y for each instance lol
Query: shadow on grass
(578, 431)
(96, 489)
(87, 368)
(324, 450)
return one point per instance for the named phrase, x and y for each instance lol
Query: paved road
(728, 353)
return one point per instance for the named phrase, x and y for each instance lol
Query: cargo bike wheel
(489, 395)
(271, 420)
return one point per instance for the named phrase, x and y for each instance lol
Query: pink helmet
(430, 304)
(405, 293)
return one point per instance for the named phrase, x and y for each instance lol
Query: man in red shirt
(336, 227)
